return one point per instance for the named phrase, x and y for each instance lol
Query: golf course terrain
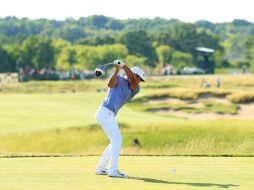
(146, 172)
(176, 135)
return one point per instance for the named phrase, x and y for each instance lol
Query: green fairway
(43, 111)
(21, 112)
(158, 173)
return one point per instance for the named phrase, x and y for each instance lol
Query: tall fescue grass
(195, 138)
(241, 97)
(182, 93)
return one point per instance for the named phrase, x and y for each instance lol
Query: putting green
(146, 173)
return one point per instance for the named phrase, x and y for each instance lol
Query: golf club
(98, 70)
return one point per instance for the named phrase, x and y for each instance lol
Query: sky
(216, 11)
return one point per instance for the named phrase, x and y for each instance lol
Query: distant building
(205, 64)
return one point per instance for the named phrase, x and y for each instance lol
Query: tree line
(87, 42)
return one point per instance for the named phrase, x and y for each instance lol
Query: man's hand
(112, 82)
(117, 67)
(119, 62)
(132, 78)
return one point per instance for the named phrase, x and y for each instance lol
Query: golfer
(121, 90)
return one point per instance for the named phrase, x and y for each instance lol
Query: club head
(98, 72)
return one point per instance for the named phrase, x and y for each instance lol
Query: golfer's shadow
(151, 180)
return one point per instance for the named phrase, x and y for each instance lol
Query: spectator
(218, 82)
(205, 83)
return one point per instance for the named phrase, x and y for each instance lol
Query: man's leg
(116, 144)
(105, 157)
(109, 124)
(101, 118)
(110, 127)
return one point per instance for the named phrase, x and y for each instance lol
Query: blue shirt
(119, 95)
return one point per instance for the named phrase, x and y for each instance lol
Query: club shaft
(104, 65)
(107, 64)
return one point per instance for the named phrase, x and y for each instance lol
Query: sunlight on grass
(160, 173)
(49, 117)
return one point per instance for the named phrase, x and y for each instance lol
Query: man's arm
(132, 78)
(112, 82)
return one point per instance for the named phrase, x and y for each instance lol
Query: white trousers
(106, 118)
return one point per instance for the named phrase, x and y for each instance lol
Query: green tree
(17, 55)
(60, 44)
(108, 53)
(248, 44)
(185, 37)
(114, 24)
(72, 33)
(133, 61)
(164, 54)
(66, 58)
(6, 62)
(181, 59)
(38, 52)
(97, 40)
(218, 59)
(252, 60)
(97, 21)
(137, 42)
(89, 57)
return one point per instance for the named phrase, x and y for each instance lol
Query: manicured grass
(189, 173)
(53, 86)
(21, 112)
(43, 111)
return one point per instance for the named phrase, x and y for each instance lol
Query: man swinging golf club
(121, 90)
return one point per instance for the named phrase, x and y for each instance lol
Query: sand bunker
(246, 111)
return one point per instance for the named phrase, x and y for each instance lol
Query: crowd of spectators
(27, 73)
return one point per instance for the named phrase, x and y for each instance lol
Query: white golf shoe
(101, 171)
(117, 173)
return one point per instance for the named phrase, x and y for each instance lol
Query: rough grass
(209, 107)
(178, 138)
(239, 82)
(241, 97)
(46, 120)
